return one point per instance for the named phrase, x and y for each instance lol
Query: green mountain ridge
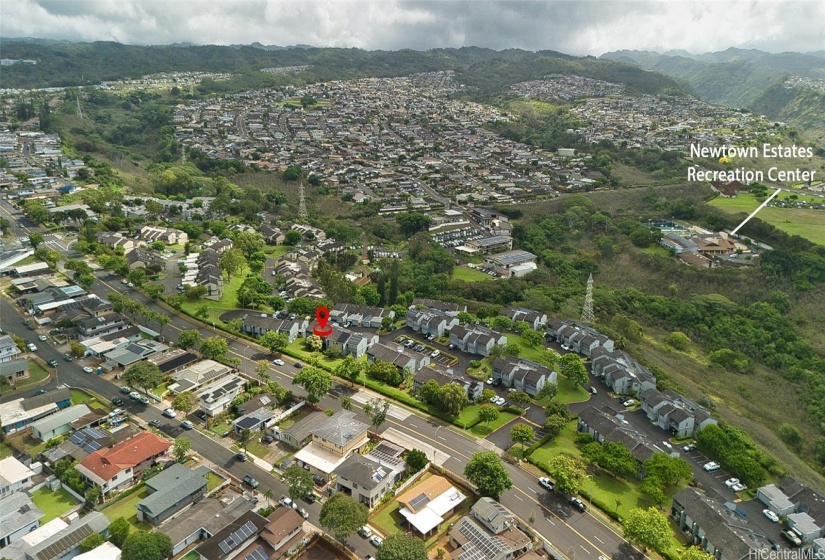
(488, 71)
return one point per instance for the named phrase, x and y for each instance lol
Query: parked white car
(278, 362)
(169, 413)
(731, 482)
(770, 515)
(712, 466)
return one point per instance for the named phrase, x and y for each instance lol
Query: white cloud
(575, 27)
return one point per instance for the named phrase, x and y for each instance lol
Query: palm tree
(268, 495)
(244, 438)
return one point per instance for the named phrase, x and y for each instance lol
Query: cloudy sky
(576, 27)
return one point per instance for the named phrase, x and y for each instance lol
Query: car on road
(142, 400)
(170, 413)
(68, 357)
(155, 422)
(770, 515)
(490, 381)
(436, 353)
(201, 414)
(774, 544)
(267, 439)
(299, 365)
(500, 401)
(667, 445)
(87, 369)
(241, 456)
(304, 513)
(125, 390)
(52, 363)
(278, 362)
(546, 483)
(628, 403)
(117, 401)
(592, 390)
(124, 282)
(134, 395)
(131, 285)
(578, 504)
(689, 447)
(451, 346)
(31, 347)
(731, 482)
(186, 425)
(711, 466)
(739, 487)
(310, 498)
(365, 532)
(376, 541)
(791, 535)
(40, 392)
(43, 337)
(250, 481)
(285, 501)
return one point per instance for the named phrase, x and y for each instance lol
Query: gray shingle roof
(340, 428)
(171, 486)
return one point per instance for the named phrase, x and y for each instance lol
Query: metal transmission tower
(587, 310)
(302, 203)
(79, 111)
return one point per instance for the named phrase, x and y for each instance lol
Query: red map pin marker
(322, 316)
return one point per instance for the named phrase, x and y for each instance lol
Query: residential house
(272, 235)
(168, 236)
(204, 519)
(14, 476)
(258, 324)
(347, 314)
(281, 536)
(198, 375)
(445, 306)
(523, 375)
(305, 231)
(427, 504)
(431, 321)
(134, 352)
(403, 358)
(98, 326)
(261, 400)
(140, 257)
(57, 540)
(115, 241)
(490, 531)
(170, 491)
(803, 506)
(117, 467)
(14, 370)
(256, 421)
(711, 526)
(674, 413)
(442, 376)
(804, 525)
(476, 339)
(233, 539)
(577, 336)
(609, 425)
(174, 361)
(335, 439)
(218, 396)
(367, 478)
(535, 319)
(620, 372)
(300, 433)
(349, 343)
(18, 413)
(8, 349)
(18, 517)
(85, 441)
(58, 423)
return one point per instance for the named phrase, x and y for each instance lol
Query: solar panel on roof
(258, 554)
(225, 548)
(419, 501)
(94, 432)
(77, 438)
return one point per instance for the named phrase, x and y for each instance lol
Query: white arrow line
(761, 206)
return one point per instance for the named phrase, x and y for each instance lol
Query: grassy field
(214, 481)
(127, 507)
(469, 274)
(275, 251)
(6, 450)
(227, 302)
(795, 221)
(36, 375)
(481, 429)
(53, 504)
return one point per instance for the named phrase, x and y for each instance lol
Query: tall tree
(231, 262)
(343, 515)
(36, 239)
(568, 472)
(185, 402)
(299, 482)
(189, 338)
(119, 530)
(647, 528)
(214, 347)
(487, 472)
(313, 343)
(376, 409)
(695, 553)
(142, 545)
(315, 381)
(402, 546)
(92, 542)
(523, 434)
(452, 398)
(350, 369)
(416, 460)
(488, 413)
(145, 375)
(181, 448)
(273, 341)
(572, 367)
(670, 470)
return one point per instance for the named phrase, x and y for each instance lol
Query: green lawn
(221, 429)
(296, 349)
(481, 429)
(566, 392)
(127, 507)
(527, 351)
(191, 555)
(36, 375)
(388, 521)
(6, 450)
(215, 480)
(227, 302)
(257, 449)
(80, 397)
(53, 504)
(795, 221)
(469, 274)
(275, 251)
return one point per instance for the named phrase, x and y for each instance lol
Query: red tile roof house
(118, 467)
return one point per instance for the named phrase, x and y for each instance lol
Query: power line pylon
(587, 310)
